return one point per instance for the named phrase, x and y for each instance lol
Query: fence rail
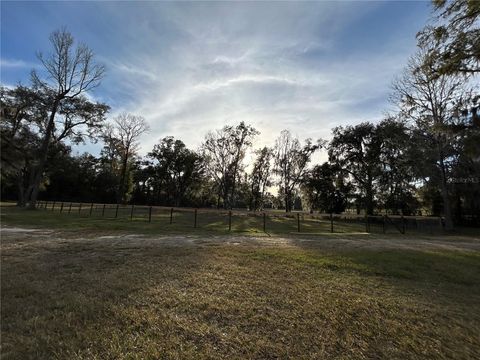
(242, 220)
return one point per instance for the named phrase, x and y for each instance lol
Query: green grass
(81, 288)
(208, 221)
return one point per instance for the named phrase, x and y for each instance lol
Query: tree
(356, 150)
(398, 159)
(454, 37)
(290, 163)
(121, 139)
(176, 169)
(433, 103)
(20, 107)
(224, 151)
(260, 178)
(64, 179)
(325, 189)
(465, 173)
(70, 73)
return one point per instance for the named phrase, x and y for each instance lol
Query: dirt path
(17, 237)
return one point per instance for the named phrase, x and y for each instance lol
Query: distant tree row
(423, 157)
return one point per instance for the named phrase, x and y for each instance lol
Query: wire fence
(248, 221)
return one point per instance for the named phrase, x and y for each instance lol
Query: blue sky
(193, 67)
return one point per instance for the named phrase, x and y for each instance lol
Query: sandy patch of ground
(17, 230)
(16, 236)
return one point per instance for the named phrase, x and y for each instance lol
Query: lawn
(78, 287)
(181, 220)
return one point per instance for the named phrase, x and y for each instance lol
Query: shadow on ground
(131, 296)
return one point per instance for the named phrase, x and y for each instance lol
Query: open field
(88, 288)
(180, 220)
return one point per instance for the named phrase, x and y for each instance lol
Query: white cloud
(16, 63)
(196, 67)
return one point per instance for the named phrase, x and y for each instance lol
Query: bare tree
(70, 72)
(291, 160)
(121, 138)
(224, 151)
(432, 102)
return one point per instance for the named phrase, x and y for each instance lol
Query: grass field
(181, 220)
(78, 287)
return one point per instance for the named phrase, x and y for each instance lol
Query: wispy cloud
(129, 70)
(193, 67)
(16, 63)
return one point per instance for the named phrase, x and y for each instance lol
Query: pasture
(80, 287)
(270, 222)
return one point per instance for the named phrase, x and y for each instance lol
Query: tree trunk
(21, 191)
(288, 201)
(232, 192)
(226, 200)
(123, 175)
(369, 197)
(43, 153)
(447, 209)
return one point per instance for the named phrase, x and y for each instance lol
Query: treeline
(423, 157)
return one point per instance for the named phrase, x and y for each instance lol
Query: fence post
(116, 212)
(150, 214)
(298, 222)
(171, 215)
(61, 207)
(80, 208)
(331, 222)
(264, 222)
(131, 212)
(383, 224)
(53, 206)
(46, 204)
(70, 208)
(103, 210)
(91, 209)
(195, 219)
(230, 220)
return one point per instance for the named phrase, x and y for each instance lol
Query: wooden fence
(238, 220)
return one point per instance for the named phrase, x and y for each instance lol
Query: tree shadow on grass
(124, 297)
(422, 303)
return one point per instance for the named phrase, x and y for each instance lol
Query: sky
(192, 67)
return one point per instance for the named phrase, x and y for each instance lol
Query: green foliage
(326, 189)
(454, 37)
(39, 118)
(356, 150)
(398, 161)
(173, 173)
(426, 156)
